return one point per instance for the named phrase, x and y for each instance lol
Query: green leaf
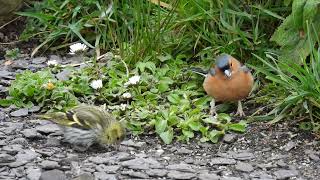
(174, 98)
(6, 102)
(161, 125)
(238, 127)
(215, 135)
(163, 86)
(188, 134)
(223, 117)
(195, 125)
(167, 136)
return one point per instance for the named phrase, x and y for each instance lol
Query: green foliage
(297, 90)
(12, 53)
(40, 88)
(291, 34)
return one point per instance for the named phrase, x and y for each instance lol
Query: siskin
(85, 125)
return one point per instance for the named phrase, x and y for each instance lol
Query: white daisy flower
(132, 81)
(52, 63)
(96, 84)
(127, 95)
(74, 48)
(123, 107)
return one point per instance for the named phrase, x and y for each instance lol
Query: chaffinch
(227, 80)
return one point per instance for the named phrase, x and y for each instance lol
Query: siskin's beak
(228, 73)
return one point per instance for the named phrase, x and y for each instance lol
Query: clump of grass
(299, 85)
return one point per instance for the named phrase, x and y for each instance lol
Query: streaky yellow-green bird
(85, 125)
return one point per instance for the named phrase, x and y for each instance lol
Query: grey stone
(222, 161)
(289, 146)
(46, 164)
(20, 112)
(181, 167)
(12, 149)
(21, 141)
(17, 172)
(208, 176)
(230, 178)
(314, 157)
(135, 174)
(27, 155)
(181, 175)
(53, 142)
(284, 174)
(6, 158)
(6, 74)
(157, 172)
(108, 169)
(33, 173)
(64, 75)
(133, 144)
(17, 164)
(229, 138)
(31, 133)
(39, 60)
(243, 156)
(3, 115)
(244, 167)
(20, 64)
(48, 128)
(53, 175)
(141, 163)
(184, 150)
(34, 109)
(98, 160)
(84, 176)
(104, 176)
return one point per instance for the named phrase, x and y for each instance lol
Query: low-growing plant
(12, 54)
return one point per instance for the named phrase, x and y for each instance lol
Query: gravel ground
(33, 149)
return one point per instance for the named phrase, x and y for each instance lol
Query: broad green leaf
(167, 136)
(174, 98)
(188, 134)
(161, 125)
(215, 135)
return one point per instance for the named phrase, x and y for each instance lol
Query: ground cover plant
(157, 42)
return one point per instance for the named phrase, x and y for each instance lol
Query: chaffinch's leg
(240, 110)
(212, 108)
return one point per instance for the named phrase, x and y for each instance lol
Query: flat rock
(108, 169)
(48, 128)
(141, 163)
(131, 143)
(181, 167)
(33, 173)
(135, 174)
(6, 158)
(84, 176)
(46, 164)
(39, 60)
(6, 74)
(12, 149)
(180, 175)
(31, 133)
(34, 109)
(104, 176)
(229, 138)
(244, 167)
(285, 174)
(208, 176)
(243, 156)
(20, 112)
(53, 175)
(157, 172)
(27, 155)
(98, 160)
(222, 161)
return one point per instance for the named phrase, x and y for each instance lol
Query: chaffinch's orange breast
(222, 88)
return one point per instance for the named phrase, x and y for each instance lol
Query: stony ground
(33, 149)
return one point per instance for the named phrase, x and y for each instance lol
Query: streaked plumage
(86, 124)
